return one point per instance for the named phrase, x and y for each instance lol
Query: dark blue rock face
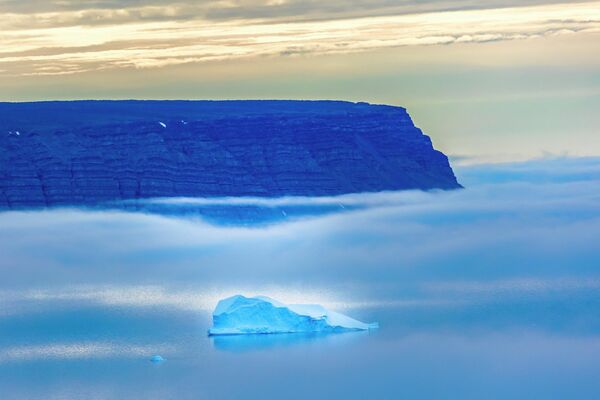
(88, 152)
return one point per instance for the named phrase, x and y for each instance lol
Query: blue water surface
(491, 292)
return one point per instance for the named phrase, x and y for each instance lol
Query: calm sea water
(491, 292)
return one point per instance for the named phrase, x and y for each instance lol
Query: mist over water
(487, 292)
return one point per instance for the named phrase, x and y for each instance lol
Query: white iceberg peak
(239, 315)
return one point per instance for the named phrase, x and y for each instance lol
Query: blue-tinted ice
(239, 315)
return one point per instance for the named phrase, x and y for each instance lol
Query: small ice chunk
(239, 315)
(18, 133)
(283, 213)
(157, 358)
(163, 124)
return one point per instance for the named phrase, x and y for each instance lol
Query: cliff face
(86, 152)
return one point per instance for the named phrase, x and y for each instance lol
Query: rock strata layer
(88, 152)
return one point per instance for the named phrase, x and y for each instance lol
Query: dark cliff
(86, 152)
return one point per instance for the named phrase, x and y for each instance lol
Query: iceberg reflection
(241, 343)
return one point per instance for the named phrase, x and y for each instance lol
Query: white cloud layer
(512, 231)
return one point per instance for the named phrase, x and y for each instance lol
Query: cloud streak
(100, 12)
(67, 42)
(80, 350)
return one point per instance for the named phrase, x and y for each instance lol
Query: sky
(499, 80)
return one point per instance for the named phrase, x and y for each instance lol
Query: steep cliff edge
(86, 152)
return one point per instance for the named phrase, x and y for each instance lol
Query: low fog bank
(544, 170)
(526, 230)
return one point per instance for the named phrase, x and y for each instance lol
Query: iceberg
(157, 359)
(240, 315)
